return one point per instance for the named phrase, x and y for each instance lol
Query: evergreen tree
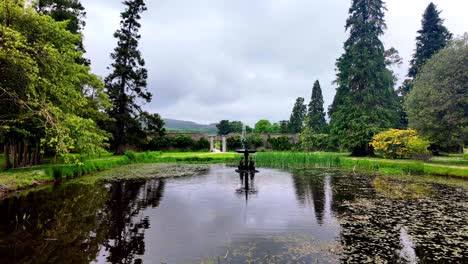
(296, 121)
(433, 36)
(224, 127)
(316, 115)
(127, 81)
(284, 126)
(365, 102)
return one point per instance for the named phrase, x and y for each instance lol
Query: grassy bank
(342, 160)
(18, 179)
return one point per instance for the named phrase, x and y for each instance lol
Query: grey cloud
(245, 60)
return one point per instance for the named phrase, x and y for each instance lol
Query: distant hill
(173, 125)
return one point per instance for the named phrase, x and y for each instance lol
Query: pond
(304, 216)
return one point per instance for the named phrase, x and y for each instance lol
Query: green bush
(314, 142)
(131, 155)
(396, 143)
(280, 143)
(234, 143)
(183, 142)
(160, 143)
(202, 144)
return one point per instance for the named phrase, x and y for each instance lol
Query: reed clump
(304, 160)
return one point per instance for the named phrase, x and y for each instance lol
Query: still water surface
(319, 216)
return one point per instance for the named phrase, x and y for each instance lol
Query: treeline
(432, 100)
(50, 101)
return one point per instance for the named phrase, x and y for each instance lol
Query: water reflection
(305, 216)
(247, 186)
(127, 224)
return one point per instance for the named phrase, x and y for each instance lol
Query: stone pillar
(224, 146)
(211, 144)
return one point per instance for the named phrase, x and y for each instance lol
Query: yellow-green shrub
(396, 143)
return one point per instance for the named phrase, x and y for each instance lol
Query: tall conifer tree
(298, 114)
(316, 114)
(127, 82)
(365, 102)
(432, 37)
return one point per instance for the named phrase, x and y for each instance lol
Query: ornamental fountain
(246, 168)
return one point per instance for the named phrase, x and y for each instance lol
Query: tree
(432, 37)
(437, 105)
(224, 127)
(284, 126)
(296, 121)
(64, 10)
(275, 128)
(315, 113)
(262, 127)
(126, 84)
(42, 105)
(67, 10)
(365, 102)
(236, 126)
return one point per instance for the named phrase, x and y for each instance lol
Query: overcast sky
(247, 59)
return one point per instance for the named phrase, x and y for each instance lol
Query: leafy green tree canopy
(262, 126)
(438, 104)
(42, 85)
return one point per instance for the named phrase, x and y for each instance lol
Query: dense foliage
(315, 113)
(365, 102)
(262, 126)
(226, 127)
(311, 141)
(48, 98)
(395, 143)
(437, 105)
(280, 143)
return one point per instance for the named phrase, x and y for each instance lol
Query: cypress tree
(432, 37)
(365, 102)
(316, 114)
(298, 114)
(127, 81)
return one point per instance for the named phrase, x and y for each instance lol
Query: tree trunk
(6, 156)
(14, 147)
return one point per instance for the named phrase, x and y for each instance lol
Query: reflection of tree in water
(71, 223)
(310, 189)
(60, 225)
(126, 224)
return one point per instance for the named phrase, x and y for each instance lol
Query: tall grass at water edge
(302, 160)
(79, 168)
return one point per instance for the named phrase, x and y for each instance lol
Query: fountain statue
(246, 163)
